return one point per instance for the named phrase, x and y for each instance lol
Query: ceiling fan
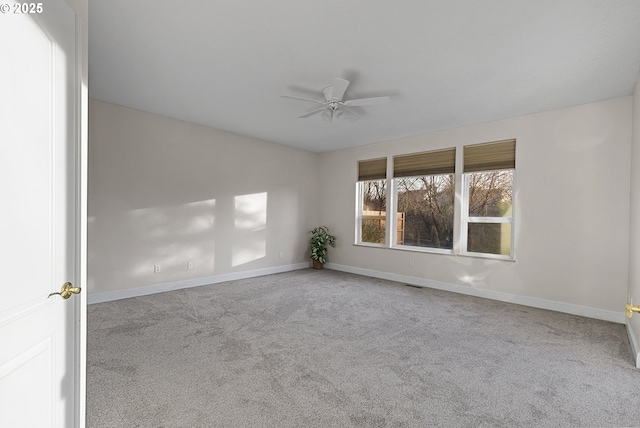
(334, 107)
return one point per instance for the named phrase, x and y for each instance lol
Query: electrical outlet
(190, 264)
(411, 263)
(281, 254)
(156, 268)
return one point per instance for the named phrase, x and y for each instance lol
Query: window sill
(488, 256)
(427, 250)
(423, 249)
(369, 244)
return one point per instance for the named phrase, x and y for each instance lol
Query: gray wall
(571, 211)
(167, 192)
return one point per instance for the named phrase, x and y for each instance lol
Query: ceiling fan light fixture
(333, 104)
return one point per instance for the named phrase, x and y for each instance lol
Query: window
(487, 221)
(424, 195)
(440, 201)
(372, 201)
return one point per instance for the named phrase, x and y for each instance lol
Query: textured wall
(167, 192)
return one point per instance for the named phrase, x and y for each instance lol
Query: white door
(40, 362)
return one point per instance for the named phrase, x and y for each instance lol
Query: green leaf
(320, 240)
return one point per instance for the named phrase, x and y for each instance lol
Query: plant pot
(317, 264)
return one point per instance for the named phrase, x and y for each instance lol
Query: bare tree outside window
(427, 206)
(424, 201)
(374, 211)
(490, 212)
(490, 194)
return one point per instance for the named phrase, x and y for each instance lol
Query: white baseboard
(634, 343)
(188, 283)
(617, 317)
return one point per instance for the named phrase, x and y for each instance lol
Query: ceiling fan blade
(367, 101)
(302, 99)
(311, 113)
(339, 87)
(349, 114)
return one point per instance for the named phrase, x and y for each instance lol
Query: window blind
(425, 163)
(490, 156)
(374, 169)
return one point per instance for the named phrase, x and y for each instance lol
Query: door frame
(81, 145)
(81, 173)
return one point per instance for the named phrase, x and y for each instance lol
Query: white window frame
(359, 206)
(466, 219)
(461, 218)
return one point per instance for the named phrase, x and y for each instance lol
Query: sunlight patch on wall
(250, 224)
(202, 222)
(251, 211)
(175, 238)
(247, 250)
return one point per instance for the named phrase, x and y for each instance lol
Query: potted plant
(320, 238)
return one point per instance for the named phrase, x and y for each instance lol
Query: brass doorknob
(631, 309)
(67, 290)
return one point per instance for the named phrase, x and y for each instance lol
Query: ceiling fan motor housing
(333, 106)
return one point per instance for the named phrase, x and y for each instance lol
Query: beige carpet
(330, 349)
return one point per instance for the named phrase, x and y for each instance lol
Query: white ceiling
(444, 63)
